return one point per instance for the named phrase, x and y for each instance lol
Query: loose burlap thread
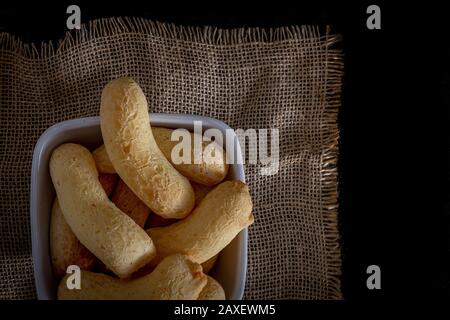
(287, 78)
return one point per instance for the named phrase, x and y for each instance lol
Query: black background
(394, 145)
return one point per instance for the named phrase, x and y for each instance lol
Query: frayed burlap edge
(329, 173)
(200, 34)
(209, 35)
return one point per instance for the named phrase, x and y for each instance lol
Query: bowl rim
(156, 119)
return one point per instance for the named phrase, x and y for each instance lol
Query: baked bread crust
(212, 291)
(111, 235)
(65, 248)
(135, 156)
(217, 220)
(209, 172)
(175, 278)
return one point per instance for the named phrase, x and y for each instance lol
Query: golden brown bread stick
(175, 278)
(208, 172)
(136, 157)
(107, 232)
(65, 248)
(222, 214)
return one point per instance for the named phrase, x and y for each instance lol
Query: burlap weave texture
(287, 78)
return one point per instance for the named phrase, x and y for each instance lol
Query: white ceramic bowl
(230, 269)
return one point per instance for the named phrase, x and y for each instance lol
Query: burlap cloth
(287, 78)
